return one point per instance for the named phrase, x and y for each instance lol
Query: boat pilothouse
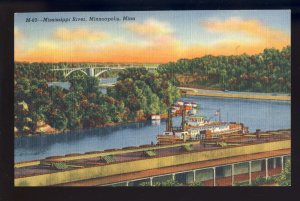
(195, 121)
(196, 127)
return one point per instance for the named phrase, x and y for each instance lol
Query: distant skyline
(153, 37)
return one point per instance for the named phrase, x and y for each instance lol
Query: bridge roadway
(91, 70)
(250, 157)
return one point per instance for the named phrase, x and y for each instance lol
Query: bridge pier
(91, 72)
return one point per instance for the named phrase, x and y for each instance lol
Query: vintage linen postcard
(153, 98)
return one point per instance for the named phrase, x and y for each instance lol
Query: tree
(170, 182)
(92, 84)
(269, 70)
(284, 179)
(58, 120)
(78, 83)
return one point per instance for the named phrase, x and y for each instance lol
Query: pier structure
(235, 160)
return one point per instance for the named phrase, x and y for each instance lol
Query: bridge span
(95, 71)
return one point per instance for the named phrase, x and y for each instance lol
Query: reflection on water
(265, 115)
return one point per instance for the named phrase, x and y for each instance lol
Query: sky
(153, 37)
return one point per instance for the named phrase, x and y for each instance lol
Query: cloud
(249, 31)
(150, 27)
(18, 42)
(234, 24)
(225, 47)
(51, 45)
(79, 34)
(17, 33)
(48, 51)
(154, 34)
(155, 42)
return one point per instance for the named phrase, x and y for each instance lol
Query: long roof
(138, 153)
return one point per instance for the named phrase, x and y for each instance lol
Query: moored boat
(155, 117)
(197, 128)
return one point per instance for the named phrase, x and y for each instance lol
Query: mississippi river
(256, 114)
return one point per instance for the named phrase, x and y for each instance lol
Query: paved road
(232, 92)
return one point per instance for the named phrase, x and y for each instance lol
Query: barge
(195, 128)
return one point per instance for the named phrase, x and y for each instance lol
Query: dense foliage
(41, 71)
(137, 94)
(284, 179)
(269, 71)
(145, 92)
(170, 183)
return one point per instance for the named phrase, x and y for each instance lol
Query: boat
(155, 117)
(192, 112)
(197, 128)
(194, 105)
(180, 102)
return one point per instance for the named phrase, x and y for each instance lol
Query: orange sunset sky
(153, 37)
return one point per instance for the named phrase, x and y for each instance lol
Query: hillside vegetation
(137, 94)
(269, 71)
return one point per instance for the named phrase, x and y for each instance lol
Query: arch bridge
(95, 71)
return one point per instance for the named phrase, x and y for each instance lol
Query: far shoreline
(233, 94)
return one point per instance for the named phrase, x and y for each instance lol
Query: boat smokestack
(243, 129)
(169, 125)
(183, 119)
(257, 132)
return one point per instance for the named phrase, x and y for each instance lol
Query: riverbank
(229, 94)
(57, 132)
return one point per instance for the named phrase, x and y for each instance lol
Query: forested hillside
(269, 71)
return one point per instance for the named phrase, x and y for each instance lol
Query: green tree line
(269, 71)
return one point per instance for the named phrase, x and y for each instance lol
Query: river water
(66, 85)
(257, 114)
